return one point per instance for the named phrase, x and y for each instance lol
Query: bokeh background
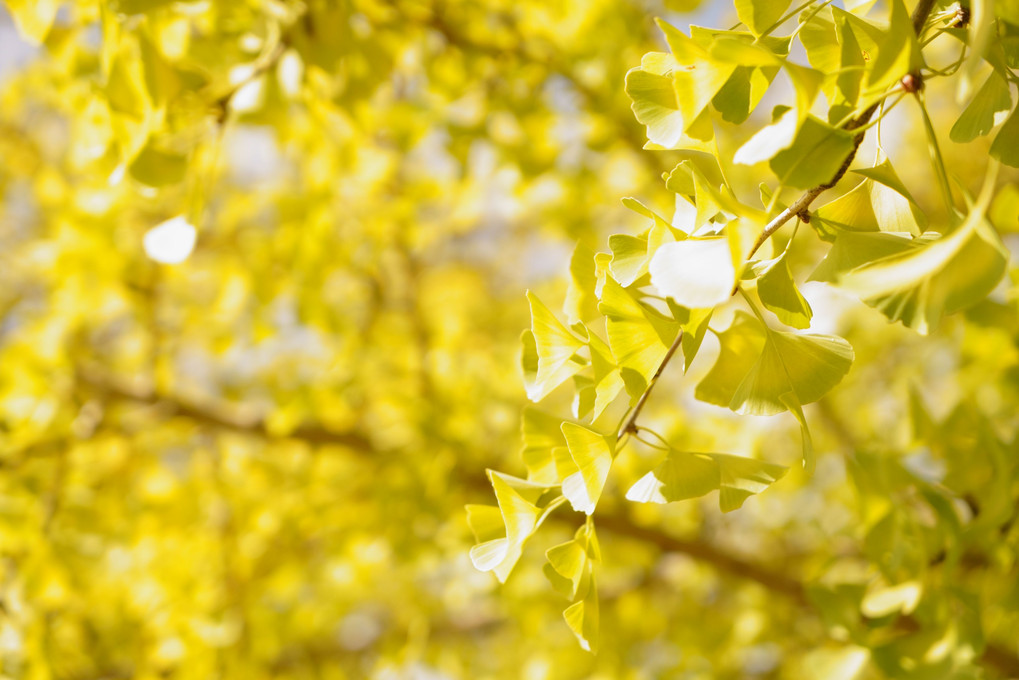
(253, 463)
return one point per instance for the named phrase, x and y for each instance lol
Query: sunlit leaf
(757, 366)
(593, 453)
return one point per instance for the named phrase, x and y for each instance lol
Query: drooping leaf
(743, 477)
(592, 453)
(988, 108)
(1005, 147)
(898, 53)
(694, 330)
(541, 435)
(680, 476)
(582, 618)
(581, 302)
(684, 475)
(638, 335)
(779, 293)
(521, 515)
(757, 366)
(815, 155)
(880, 203)
(918, 281)
(555, 347)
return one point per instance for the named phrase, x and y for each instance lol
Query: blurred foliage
(261, 274)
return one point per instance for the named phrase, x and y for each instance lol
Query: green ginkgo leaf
(1005, 147)
(684, 475)
(920, 280)
(758, 366)
(880, 203)
(779, 293)
(814, 156)
(638, 335)
(592, 453)
(988, 108)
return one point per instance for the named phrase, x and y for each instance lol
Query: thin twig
(800, 207)
(630, 426)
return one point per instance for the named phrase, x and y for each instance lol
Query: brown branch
(802, 204)
(631, 423)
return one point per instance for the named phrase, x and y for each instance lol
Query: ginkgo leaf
(568, 561)
(684, 475)
(696, 273)
(638, 335)
(880, 203)
(541, 434)
(485, 522)
(792, 402)
(653, 98)
(521, 515)
(697, 80)
(779, 293)
(680, 476)
(743, 477)
(569, 564)
(758, 15)
(897, 55)
(592, 453)
(581, 302)
(607, 382)
(555, 347)
(757, 366)
(989, 107)
(1005, 147)
(918, 281)
(768, 141)
(815, 155)
(694, 330)
(582, 618)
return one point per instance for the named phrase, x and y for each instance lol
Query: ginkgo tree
(262, 274)
(720, 264)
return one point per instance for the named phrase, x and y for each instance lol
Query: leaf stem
(630, 426)
(936, 159)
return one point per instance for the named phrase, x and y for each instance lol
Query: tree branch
(217, 417)
(802, 204)
(631, 423)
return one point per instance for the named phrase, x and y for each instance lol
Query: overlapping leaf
(758, 368)
(683, 475)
